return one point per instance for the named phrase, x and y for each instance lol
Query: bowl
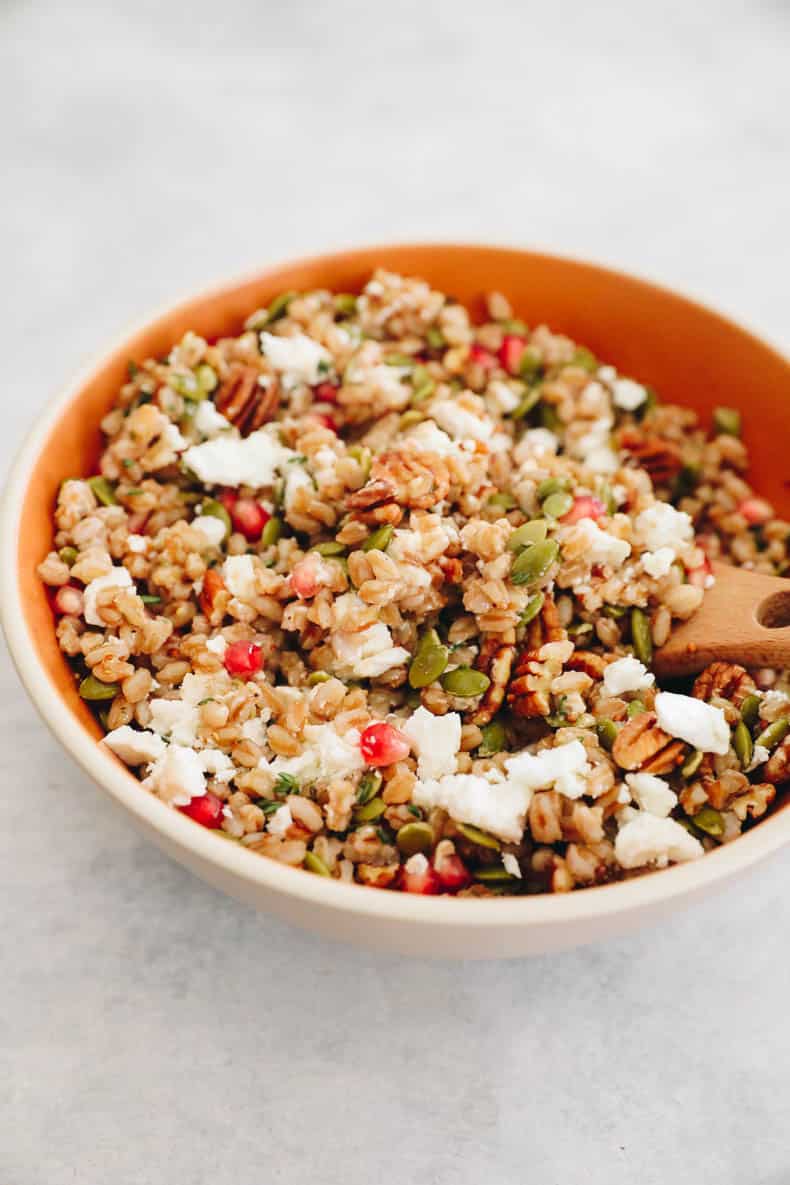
(690, 354)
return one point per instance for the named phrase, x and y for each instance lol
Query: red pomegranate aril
(510, 352)
(248, 518)
(381, 744)
(756, 511)
(326, 421)
(326, 393)
(585, 506)
(482, 356)
(453, 873)
(308, 576)
(205, 810)
(243, 659)
(702, 575)
(228, 498)
(418, 876)
(68, 601)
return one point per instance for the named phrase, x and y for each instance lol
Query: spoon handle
(744, 618)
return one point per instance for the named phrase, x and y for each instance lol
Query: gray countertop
(151, 1030)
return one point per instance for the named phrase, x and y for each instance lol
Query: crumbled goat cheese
(594, 448)
(280, 821)
(212, 528)
(134, 747)
(255, 730)
(627, 394)
(498, 807)
(179, 718)
(436, 740)
(367, 653)
(138, 543)
(661, 525)
(511, 864)
(217, 645)
(653, 794)
(388, 380)
(503, 397)
(217, 763)
(601, 547)
(693, 721)
(759, 757)
(647, 839)
(773, 704)
(658, 563)
(233, 461)
(627, 674)
(299, 359)
(238, 572)
(326, 754)
(208, 421)
(172, 437)
(428, 437)
(177, 776)
(564, 767)
(460, 423)
(536, 442)
(296, 478)
(116, 578)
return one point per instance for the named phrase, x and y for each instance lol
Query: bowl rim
(539, 911)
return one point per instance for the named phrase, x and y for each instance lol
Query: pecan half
(375, 503)
(546, 626)
(724, 680)
(777, 769)
(722, 790)
(661, 458)
(244, 402)
(588, 662)
(755, 802)
(419, 480)
(496, 660)
(525, 694)
(642, 745)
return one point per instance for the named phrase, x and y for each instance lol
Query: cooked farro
(375, 590)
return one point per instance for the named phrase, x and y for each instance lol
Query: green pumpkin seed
(423, 385)
(345, 303)
(750, 710)
(68, 555)
(187, 386)
(710, 821)
(380, 539)
(635, 708)
(215, 509)
(607, 733)
(481, 838)
(415, 837)
(399, 360)
(585, 359)
(103, 491)
(686, 481)
(614, 611)
(369, 786)
(93, 690)
(641, 637)
(150, 599)
(727, 421)
(534, 562)
(435, 338)
(606, 494)
(527, 534)
(315, 864)
(207, 378)
(552, 485)
(530, 364)
(279, 306)
(742, 744)
(429, 660)
(494, 739)
(549, 417)
(692, 764)
(503, 501)
(371, 811)
(532, 608)
(530, 401)
(272, 531)
(316, 677)
(770, 737)
(465, 682)
(556, 505)
(330, 548)
(494, 876)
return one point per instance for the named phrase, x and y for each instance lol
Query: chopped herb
(285, 784)
(149, 599)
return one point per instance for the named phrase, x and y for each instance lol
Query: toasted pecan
(496, 659)
(242, 400)
(724, 680)
(642, 745)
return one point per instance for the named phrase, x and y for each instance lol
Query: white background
(150, 1030)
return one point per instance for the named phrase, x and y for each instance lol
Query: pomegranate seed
(510, 352)
(701, 576)
(585, 506)
(326, 393)
(482, 356)
(243, 659)
(325, 420)
(381, 744)
(205, 810)
(68, 601)
(308, 576)
(228, 498)
(248, 517)
(756, 511)
(452, 873)
(418, 876)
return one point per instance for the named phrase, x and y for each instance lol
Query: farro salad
(373, 590)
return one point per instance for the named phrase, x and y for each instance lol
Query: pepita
(742, 744)
(94, 691)
(641, 637)
(527, 534)
(534, 562)
(415, 837)
(429, 660)
(494, 739)
(465, 682)
(481, 838)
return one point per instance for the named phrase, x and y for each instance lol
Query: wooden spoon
(744, 618)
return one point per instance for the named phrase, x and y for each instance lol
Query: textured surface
(153, 1031)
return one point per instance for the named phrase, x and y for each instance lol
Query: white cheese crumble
(326, 754)
(428, 437)
(255, 730)
(646, 839)
(627, 394)
(498, 807)
(217, 645)
(436, 740)
(280, 821)
(216, 763)
(138, 543)
(601, 547)
(212, 528)
(503, 397)
(661, 525)
(238, 572)
(653, 794)
(296, 478)
(460, 423)
(536, 442)
(134, 747)
(627, 674)
(367, 653)
(117, 577)
(658, 563)
(759, 757)
(693, 721)
(233, 461)
(208, 421)
(299, 359)
(564, 767)
(511, 864)
(179, 718)
(177, 776)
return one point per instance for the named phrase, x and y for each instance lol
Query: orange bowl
(690, 354)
